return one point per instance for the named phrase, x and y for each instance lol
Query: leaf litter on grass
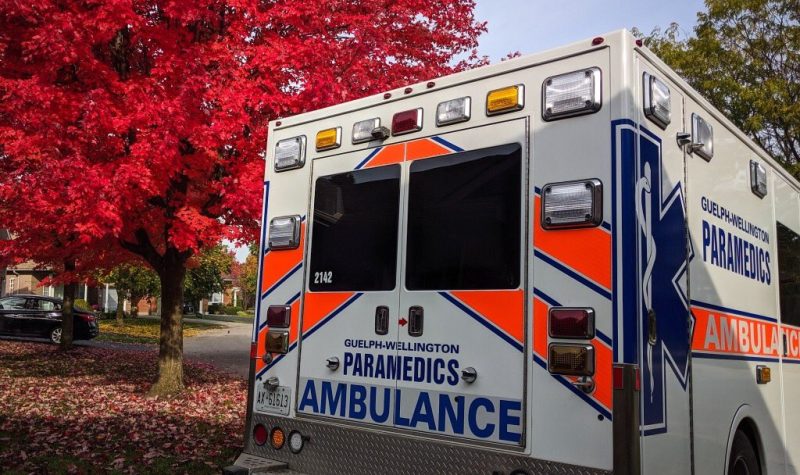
(87, 411)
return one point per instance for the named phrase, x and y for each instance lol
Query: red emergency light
(407, 121)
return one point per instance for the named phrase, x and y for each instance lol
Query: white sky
(529, 26)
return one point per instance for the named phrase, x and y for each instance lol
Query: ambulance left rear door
(348, 337)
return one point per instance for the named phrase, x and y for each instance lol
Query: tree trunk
(170, 344)
(120, 310)
(67, 318)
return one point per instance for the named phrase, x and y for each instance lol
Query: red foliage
(134, 128)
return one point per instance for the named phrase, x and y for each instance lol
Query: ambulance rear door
(461, 340)
(349, 329)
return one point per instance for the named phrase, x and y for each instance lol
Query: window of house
(464, 220)
(789, 275)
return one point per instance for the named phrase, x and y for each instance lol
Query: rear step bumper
(247, 464)
(333, 448)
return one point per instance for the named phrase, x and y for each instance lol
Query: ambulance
(568, 262)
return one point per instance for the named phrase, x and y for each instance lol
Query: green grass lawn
(146, 330)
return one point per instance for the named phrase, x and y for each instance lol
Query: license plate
(275, 401)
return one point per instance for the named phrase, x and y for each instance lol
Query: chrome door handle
(381, 320)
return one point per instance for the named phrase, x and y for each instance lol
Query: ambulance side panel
(733, 288)
(787, 218)
(652, 197)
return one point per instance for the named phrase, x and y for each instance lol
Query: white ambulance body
(564, 263)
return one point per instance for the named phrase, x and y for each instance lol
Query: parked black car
(35, 315)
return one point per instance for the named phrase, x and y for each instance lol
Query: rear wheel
(55, 335)
(743, 459)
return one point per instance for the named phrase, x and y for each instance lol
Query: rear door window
(355, 228)
(13, 303)
(464, 214)
(789, 275)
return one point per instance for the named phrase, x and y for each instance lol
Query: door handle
(416, 318)
(382, 320)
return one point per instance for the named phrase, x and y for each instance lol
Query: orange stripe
(502, 307)
(540, 309)
(319, 306)
(603, 373)
(587, 250)
(424, 148)
(388, 155)
(719, 332)
(278, 263)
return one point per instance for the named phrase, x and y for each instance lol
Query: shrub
(214, 308)
(230, 310)
(81, 304)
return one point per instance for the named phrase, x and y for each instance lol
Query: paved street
(227, 348)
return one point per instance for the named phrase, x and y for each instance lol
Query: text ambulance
(564, 263)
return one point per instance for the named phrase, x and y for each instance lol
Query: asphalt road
(227, 348)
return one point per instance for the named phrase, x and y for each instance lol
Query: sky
(530, 26)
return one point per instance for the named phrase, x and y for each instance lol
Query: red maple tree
(134, 129)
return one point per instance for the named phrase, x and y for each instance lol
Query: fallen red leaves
(86, 411)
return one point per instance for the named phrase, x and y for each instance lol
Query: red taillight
(253, 350)
(575, 323)
(279, 316)
(88, 318)
(407, 121)
(260, 434)
(598, 41)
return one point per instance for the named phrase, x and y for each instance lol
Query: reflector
(507, 99)
(571, 94)
(407, 121)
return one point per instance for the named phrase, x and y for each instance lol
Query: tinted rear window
(464, 213)
(354, 234)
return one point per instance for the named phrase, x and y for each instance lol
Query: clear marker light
(571, 94)
(453, 111)
(362, 130)
(572, 204)
(290, 153)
